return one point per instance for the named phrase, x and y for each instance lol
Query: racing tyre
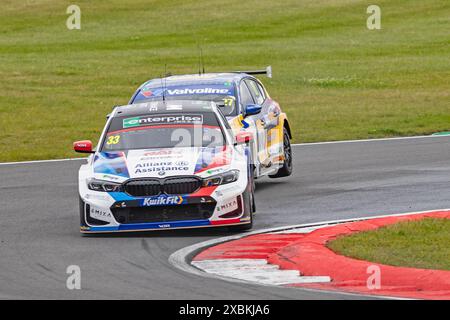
(81, 202)
(286, 169)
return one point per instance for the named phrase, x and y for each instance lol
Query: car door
(263, 122)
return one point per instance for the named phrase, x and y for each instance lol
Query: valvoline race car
(247, 106)
(166, 165)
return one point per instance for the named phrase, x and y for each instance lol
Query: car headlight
(104, 186)
(223, 178)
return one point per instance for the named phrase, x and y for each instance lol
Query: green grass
(418, 244)
(336, 79)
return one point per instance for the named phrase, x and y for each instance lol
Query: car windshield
(223, 95)
(169, 130)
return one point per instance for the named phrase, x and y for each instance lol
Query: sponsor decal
(174, 107)
(96, 197)
(220, 192)
(99, 214)
(162, 200)
(109, 177)
(153, 107)
(162, 152)
(122, 204)
(150, 90)
(228, 206)
(192, 91)
(162, 119)
(214, 171)
(206, 200)
(147, 167)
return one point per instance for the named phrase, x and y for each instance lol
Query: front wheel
(286, 169)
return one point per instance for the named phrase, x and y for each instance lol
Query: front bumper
(118, 212)
(158, 226)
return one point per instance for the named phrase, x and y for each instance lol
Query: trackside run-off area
(300, 257)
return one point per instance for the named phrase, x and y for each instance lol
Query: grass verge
(335, 78)
(417, 244)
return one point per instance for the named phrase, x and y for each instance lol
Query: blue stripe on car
(153, 225)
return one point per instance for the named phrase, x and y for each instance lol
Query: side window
(261, 89)
(254, 89)
(246, 96)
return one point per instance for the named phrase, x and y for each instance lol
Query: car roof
(164, 107)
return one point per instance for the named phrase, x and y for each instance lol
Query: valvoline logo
(186, 90)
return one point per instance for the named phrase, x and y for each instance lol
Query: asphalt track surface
(39, 221)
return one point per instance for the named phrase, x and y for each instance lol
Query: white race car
(166, 165)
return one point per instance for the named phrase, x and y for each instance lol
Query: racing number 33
(113, 140)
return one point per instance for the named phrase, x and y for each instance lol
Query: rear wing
(267, 71)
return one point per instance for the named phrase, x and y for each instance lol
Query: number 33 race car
(167, 165)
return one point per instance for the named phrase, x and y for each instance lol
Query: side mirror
(84, 146)
(252, 109)
(244, 137)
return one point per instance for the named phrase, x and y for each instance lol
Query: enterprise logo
(162, 119)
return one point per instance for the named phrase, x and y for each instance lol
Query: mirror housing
(252, 109)
(84, 146)
(244, 137)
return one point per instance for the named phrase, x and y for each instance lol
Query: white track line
(255, 270)
(369, 140)
(40, 161)
(294, 145)
(181, 258)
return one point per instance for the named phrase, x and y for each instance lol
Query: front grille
(142, 188)
(198, 211)
(181, 185)
(153, 187)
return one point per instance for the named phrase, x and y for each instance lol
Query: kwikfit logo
(161, 201)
